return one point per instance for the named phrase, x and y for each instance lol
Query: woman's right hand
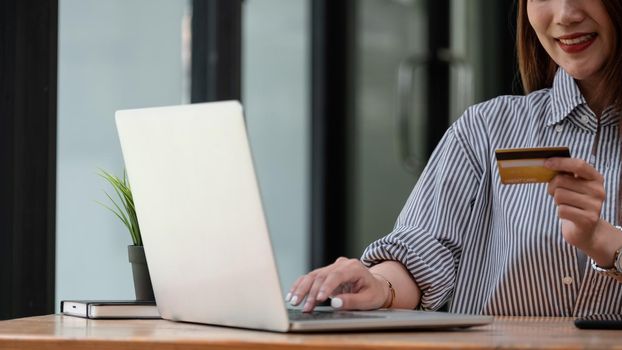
(349, 284)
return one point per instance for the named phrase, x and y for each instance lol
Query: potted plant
(124, 209)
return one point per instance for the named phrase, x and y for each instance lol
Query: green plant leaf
(119, 215)
(124, 207)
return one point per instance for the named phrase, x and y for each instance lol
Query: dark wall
(332, 49)
(28, 57)
(216, 50)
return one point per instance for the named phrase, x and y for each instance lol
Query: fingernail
(288, 296)
(548, 163)
(336, 303)
(320, 296)
(308, 306)
(294, 300)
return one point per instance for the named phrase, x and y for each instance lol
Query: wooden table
(64, 332)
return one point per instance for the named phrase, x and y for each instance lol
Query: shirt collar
(565, 97)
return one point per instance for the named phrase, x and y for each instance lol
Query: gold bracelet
(388, 303)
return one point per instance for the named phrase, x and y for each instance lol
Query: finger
(311, 297)
(592, 188)
(580, 201)
(303, 285)
(335, 283)
(580, 218)
(567, 181)
(575, 166)
(363, 300)
(303, 288)
(293, 288)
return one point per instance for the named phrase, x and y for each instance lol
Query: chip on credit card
(526, 165)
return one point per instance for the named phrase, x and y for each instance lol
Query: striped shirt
(483, 247)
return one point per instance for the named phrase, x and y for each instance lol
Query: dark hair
(537, 69)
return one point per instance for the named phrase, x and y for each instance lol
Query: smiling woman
(466, 240)
(578, 36)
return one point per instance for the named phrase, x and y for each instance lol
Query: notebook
(109, 308)
(204, 230)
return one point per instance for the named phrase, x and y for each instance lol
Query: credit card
(526, 165)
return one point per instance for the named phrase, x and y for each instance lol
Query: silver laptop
(204, 230)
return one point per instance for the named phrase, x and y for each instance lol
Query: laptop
(204, 230)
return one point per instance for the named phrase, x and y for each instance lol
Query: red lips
(576, 42)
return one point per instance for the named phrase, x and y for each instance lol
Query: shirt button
(567, 280)
(585, 119)
(559, 128)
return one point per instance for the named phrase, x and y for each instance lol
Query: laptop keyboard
(298, 315)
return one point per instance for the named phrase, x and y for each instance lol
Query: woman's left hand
(579, 193)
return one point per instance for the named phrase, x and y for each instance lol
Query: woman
(465, 240)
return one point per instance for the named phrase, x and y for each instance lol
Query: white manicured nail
(288, 296)
(294, 300)
(336, 303)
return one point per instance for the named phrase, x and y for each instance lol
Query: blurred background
(344, 102)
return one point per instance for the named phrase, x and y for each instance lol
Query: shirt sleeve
(427, 237)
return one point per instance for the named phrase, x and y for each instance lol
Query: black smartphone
(599, 322)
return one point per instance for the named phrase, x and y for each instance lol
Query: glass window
(276, 59)
(113, 54)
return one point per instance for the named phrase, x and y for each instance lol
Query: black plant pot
(140, 270)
